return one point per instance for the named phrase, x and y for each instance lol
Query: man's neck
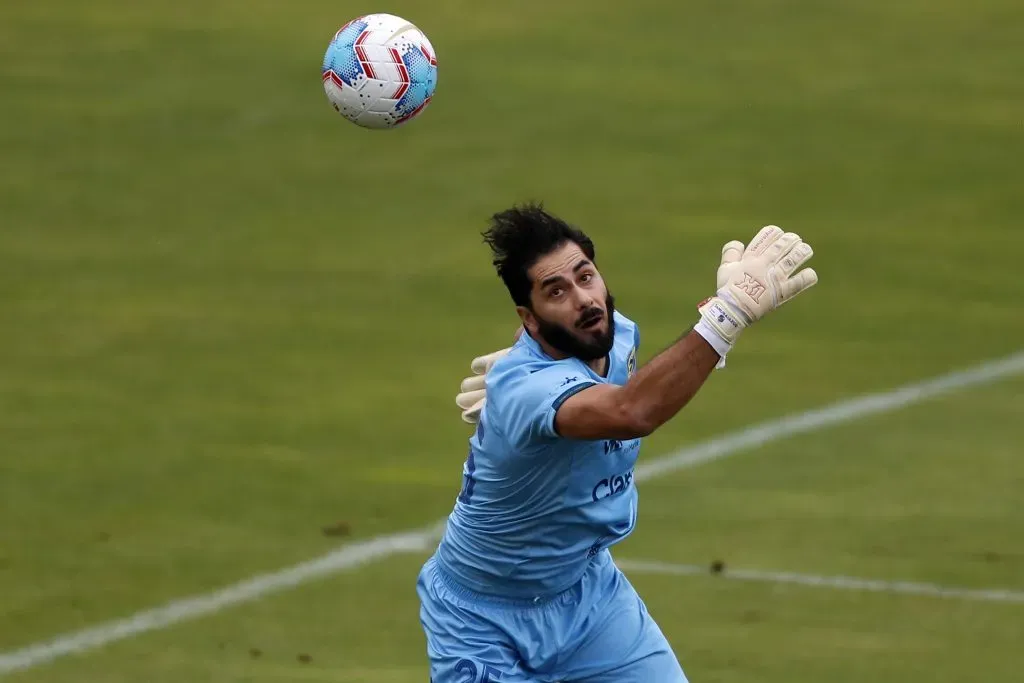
(599, 365)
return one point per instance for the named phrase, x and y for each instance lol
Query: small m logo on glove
(751, 287)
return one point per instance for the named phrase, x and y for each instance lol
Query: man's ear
(528, 319)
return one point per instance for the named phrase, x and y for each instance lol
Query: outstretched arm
(652, 396)
(752, 282)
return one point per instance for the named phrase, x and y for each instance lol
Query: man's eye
(557, 291)
(586, 277)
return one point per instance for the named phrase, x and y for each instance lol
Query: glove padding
(472, 393)
(756, 279)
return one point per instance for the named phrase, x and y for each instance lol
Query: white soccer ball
(379, 71)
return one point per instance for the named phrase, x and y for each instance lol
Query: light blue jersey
(523, 588)
(535, 508)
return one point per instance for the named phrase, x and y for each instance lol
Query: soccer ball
(379, 71)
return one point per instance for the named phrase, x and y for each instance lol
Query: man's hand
(753, 281)
(472, 392)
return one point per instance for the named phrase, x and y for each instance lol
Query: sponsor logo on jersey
(612, 486)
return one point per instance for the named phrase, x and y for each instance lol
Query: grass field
(229, 319)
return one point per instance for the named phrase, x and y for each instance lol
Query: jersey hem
(459, 589)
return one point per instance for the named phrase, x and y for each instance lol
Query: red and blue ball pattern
(379, 71)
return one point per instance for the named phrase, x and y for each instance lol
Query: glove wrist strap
(725, 319)
(712, 337)
(720, 325)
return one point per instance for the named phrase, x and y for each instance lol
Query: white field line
(836, 413)
(347, 557)
(418, 540)
(838, 582)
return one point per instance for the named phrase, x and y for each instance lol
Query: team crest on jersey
(631, 362)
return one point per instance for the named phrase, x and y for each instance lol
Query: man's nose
(584, 299)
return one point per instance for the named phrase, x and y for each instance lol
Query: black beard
(569, 343)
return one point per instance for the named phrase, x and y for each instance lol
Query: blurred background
(232, 324)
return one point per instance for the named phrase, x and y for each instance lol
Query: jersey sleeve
(530, 400)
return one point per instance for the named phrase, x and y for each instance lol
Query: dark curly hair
(520, 236)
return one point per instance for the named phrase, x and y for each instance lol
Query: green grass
(229, 318)
(853, 499)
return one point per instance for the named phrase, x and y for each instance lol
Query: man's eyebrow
(583, 263)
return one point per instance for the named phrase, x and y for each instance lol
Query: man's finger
(482, 364)
(781, 247)
(467, 399)
(765, 237)
(472, 414)
(799, 283)
(474, 383)
(732, 252)
(795, 258)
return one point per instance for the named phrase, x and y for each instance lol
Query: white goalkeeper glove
(472, 392)
(753, 281)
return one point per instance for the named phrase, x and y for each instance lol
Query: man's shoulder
(523, 365)
(524, 388)
(624, 324)
(526, 377)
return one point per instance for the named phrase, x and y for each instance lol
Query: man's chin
(587, 344)
(596, 332)
(594, 344)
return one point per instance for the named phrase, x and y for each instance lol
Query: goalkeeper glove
(472, 392)
(753, 281)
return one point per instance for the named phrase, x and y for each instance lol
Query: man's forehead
(562, 261)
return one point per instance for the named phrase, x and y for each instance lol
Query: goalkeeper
(522, 587)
